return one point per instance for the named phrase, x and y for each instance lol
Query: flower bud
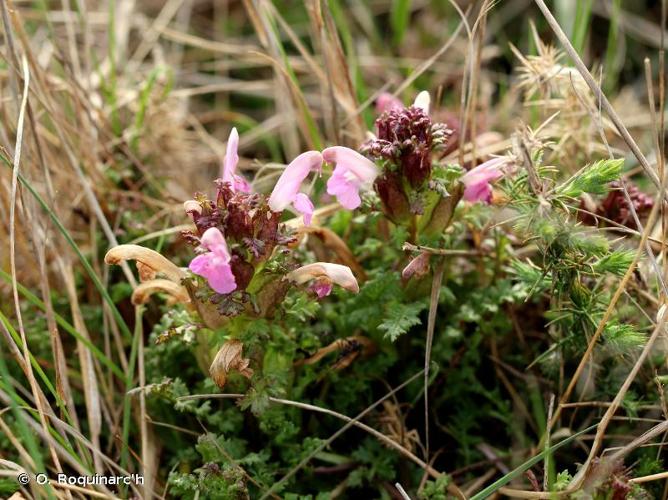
(418, 267)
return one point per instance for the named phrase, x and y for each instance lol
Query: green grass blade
(65, 325)
(127, 400)
(28, 437)
(25, 407)
(89, 269)
(613, 63)
(35, 365)
(581, 26)
(492, 488)
(400, 16)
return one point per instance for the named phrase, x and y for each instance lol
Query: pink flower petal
(289, 183)
(478, 179)
(303, 205)
(322, 288)
(200, 264)
(387, 102)
(478, 192)
(222, 280)
(240, 184)
(363, 168)
(214, 241)
(352, 173)
(346, 192)
(214, 265)
(231, 156)
(230, 162)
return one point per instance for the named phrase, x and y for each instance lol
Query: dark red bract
(250, 228)
(406, 137)
(616, 208)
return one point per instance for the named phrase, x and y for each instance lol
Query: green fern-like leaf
(400, 319)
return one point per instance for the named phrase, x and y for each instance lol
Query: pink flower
(387, 102)
(215, 264)
(236, 182)
(353, 172)
(325, 274)
(286, 192)
(477, 180)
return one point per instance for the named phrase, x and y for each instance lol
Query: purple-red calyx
(406, 137)
(251, 230)
(614, 207)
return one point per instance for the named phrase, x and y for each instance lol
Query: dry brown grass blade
(431, 325)
(63, 387)
(67, 457)
(607, 315)
(260, 17)
(88, 372)
(336, 245)
(16, 442)
(648, 248)
(648, 169)
(474, 77)
(16, 163)
(152, 34)
(46, 99)
(148, 458)
(340, 81)
(621, 393)
(600, 97)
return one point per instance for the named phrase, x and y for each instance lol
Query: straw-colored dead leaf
(229, 359)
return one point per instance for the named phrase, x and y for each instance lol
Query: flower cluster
(242, 220)
(245, 261)
(406, 138)
(414, 190)
(240, 231)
